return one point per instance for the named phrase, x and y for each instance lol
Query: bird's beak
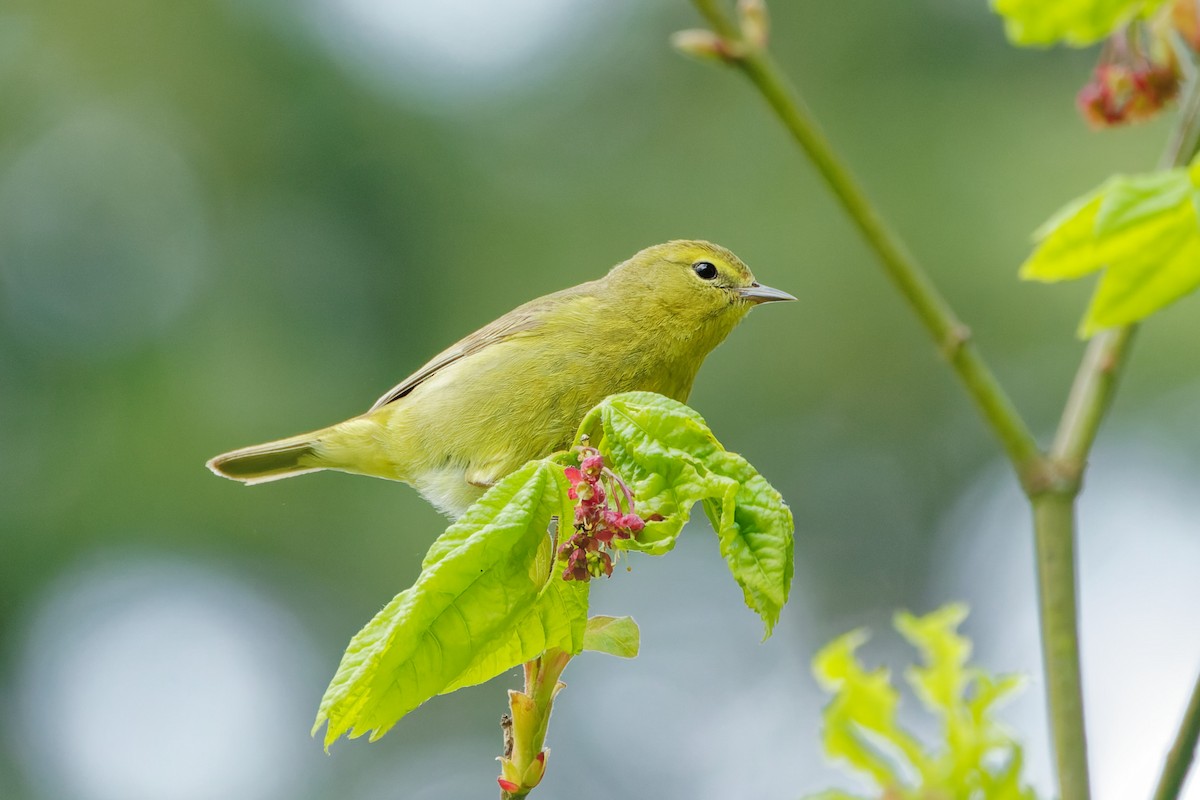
(757, 293)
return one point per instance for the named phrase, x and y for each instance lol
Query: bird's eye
(705, 269)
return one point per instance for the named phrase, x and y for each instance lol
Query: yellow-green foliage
(1079, 23)
(489, 596)
(1143, 231)
(977, 758)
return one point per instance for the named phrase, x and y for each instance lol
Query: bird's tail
(271, 461)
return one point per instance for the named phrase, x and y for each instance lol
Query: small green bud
(754, 22)
(535, 771)
(524, 716)
(704, 45)
(509, 772)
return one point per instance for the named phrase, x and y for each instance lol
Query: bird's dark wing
(521, 320)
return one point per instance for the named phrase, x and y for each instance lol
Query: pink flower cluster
(599, 517)
(1138, 73)
(1119, 93)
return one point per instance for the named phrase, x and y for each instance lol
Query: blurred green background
(223, 221)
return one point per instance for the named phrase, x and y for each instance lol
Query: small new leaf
(1078, 23)
(976, 757)
(666, 453)
(617, 636)
(481, 581)
(1143, 231)
(863, 701)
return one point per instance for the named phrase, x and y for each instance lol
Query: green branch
(948, 332)
(1089, 399)
(524, 727)
(1052, 481)
(1054, 518)
(1179, 760)
(1096, 380)
(1054, 538)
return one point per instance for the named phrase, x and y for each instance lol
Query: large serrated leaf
(749, 523)
(480, 580)
(671, 460)
(557, 620)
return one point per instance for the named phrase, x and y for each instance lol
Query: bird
(516, 389)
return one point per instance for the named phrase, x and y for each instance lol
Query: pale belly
(447, 489)
(473, 423)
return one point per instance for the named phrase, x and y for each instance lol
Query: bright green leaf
(1078, 23)
(479, 582)
(671, 460)
(976, 758)
(1143, 231)
(941, 681)
(754, 527)
(863, 700)
(617, 636)
(655, 446)
(557, 620)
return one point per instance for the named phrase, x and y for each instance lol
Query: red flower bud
(597, 522)
(632, 523)
(507, 785)
(600, 564)
(1128, 85)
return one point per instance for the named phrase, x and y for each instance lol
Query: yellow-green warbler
(518, 388)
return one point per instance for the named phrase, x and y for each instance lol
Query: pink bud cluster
(1119, 93)
(599, 517)
(1137, 76)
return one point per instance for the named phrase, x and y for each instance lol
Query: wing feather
(521, 320)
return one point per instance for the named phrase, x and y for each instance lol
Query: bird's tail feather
(272, 461)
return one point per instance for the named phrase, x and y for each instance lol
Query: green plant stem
(948, 332)
(525, 727)
(1054, 513)
(1090, 396)
(1052, 481)
(1054, 537)
(1096, 379)
(1179, 759)
(1051, 490)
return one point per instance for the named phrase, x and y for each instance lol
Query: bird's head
(695, 282)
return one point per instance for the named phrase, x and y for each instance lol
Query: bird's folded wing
(518, 321)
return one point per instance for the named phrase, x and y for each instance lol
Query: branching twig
(950, 335)
(1054, 511)
(1052, 481)
(1179, 760)
(524, 760)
